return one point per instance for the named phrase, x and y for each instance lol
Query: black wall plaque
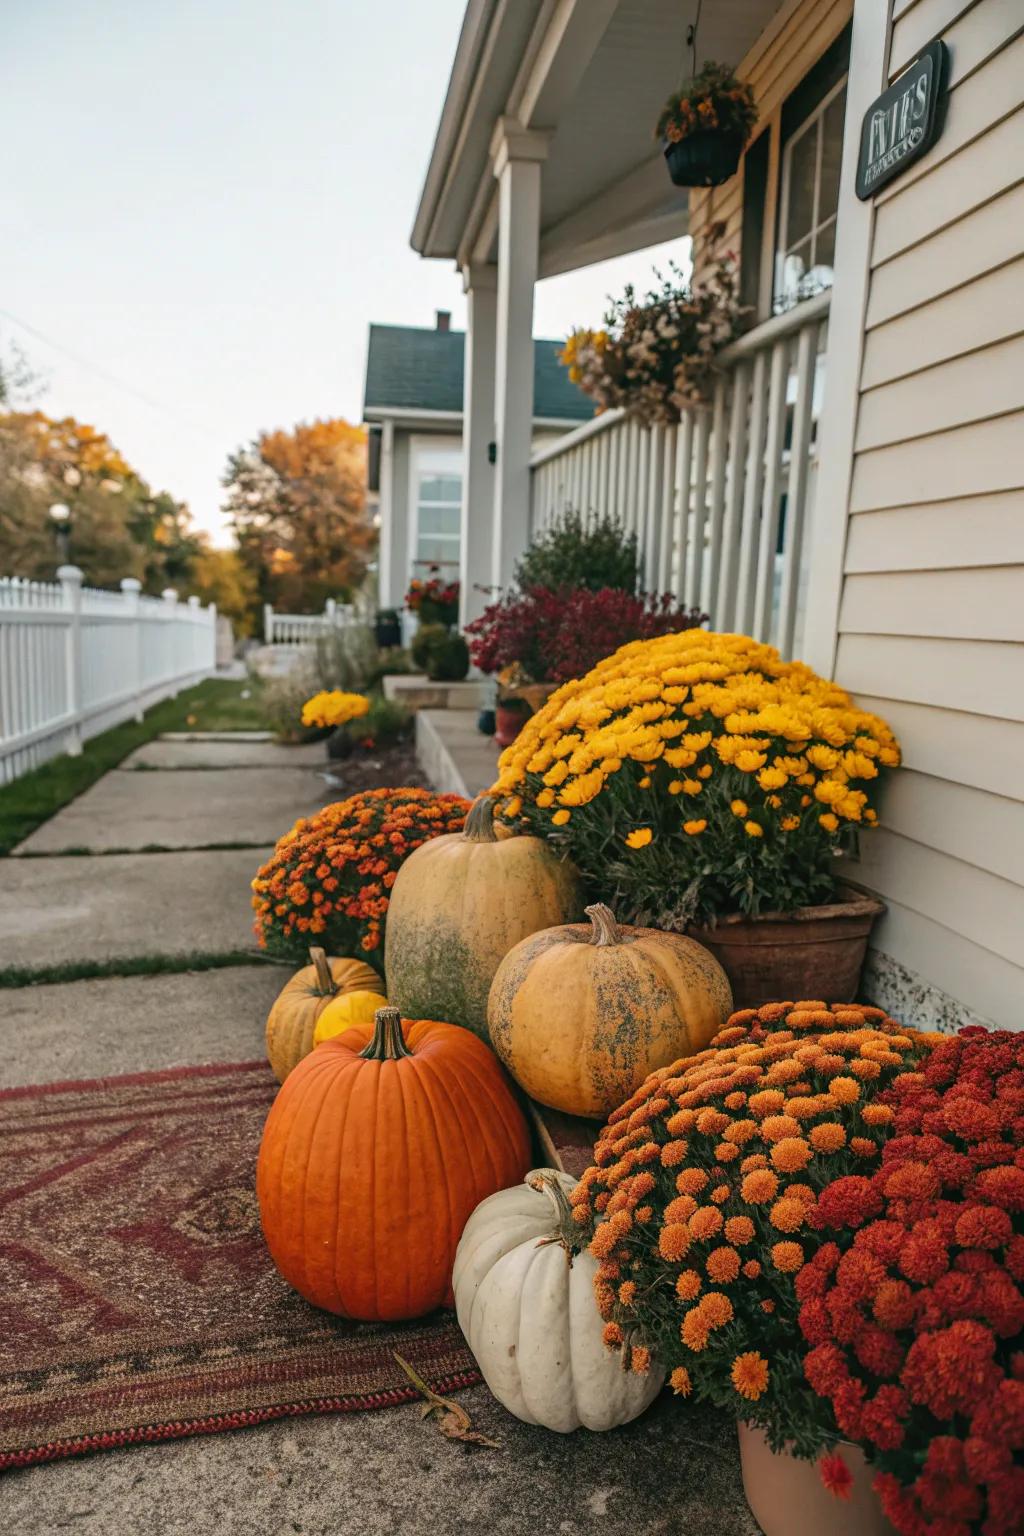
(903, 123)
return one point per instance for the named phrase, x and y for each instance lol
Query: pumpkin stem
(479, 825)
(606, 929)
(388, 1043)
(566, 1231)
(325, 985)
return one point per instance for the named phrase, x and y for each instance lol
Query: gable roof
(411, 368)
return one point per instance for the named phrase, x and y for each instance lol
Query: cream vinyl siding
(791, 44)
(931, 622)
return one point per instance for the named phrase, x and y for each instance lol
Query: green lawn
(215, 705)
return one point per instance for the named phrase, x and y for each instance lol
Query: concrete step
(416, 691)
(453, 754)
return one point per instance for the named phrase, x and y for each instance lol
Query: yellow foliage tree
(297, 503)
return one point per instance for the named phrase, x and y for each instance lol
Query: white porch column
(518, 155)
(390, 566)
(477, 527)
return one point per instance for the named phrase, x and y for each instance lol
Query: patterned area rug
(137, 1297)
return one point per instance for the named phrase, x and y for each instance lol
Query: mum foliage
(572, 552)
(700, 1203)
(695, 774)
(557, 634)
(331, 875)
(713, 101)
(655, 355)
(915, 1329)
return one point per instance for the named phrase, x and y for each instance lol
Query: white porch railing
(304, 628)
(722, 504)
(75, 661)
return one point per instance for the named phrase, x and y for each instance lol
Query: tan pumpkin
(459, 904)
(293, 1018)
(581, 1015)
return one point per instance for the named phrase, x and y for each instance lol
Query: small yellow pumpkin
(581, 1016)
(345, 1010)
(293, 1018)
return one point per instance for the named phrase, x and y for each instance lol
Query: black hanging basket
(705, 158)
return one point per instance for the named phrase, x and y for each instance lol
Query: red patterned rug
(137, 1298)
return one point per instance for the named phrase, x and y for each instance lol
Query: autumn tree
(118, 526)
(297, 504)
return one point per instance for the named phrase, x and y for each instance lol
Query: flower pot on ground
(696, 776)
(434, 601)
(447, 658)
(388, 629)
(812, 952)
(788, 1498)
(510, 716)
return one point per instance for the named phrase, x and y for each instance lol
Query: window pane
(440, 488)
(831, 156)
(800, 215)
(439, 519)
(824, 256)
(437, 549)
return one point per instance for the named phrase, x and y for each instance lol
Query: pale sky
(206, 202)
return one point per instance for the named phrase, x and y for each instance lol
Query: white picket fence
(75, 661)
(305, 628)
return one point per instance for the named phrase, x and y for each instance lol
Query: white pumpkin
(526, 1305)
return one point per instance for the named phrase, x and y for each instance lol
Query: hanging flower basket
(705, 127)
(705, 158)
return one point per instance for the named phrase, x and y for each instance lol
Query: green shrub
(447, 658)
(571, 554)
(385, 723)
(423, 642)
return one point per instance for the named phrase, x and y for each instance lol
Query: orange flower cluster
(331, 875)
(713, 99)
(699, 1206)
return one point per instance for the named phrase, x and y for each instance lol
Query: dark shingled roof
(408, 367)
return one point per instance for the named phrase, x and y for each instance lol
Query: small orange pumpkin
(378, 1148)
(292, 1020)
(580, 1016)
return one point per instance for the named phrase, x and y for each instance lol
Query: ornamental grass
(331, 875)
(697, 774)
(912, 1308)
(699, 1206)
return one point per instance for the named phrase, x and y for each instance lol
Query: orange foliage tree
(297, 503)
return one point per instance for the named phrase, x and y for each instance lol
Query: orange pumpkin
(292, 1020)
(377, 1149)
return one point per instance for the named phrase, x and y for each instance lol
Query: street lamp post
(60, 516)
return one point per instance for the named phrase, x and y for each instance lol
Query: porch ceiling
(593, 73)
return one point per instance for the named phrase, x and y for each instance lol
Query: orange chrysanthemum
(791, 1154)
(680, 1381)
(787, 1257)
(722, 1265)
(691, 1181)
(673, 1241)
(750, 1375)
(787, 1214)
(705, 1222)
(716, 1309)
(689, 1285)
(827, 1137)
(739, 1230)
(759, 1186)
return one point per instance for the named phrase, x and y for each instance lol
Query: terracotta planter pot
(508, 722)
(814, 952)
(788, 1498)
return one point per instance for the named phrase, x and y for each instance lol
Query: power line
(109, 378)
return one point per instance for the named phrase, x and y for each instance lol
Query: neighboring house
(413, 407)
(855, 493)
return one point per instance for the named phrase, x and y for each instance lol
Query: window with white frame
(809, 199)
(436, 500)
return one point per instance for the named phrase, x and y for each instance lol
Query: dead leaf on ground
(452, 1420)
